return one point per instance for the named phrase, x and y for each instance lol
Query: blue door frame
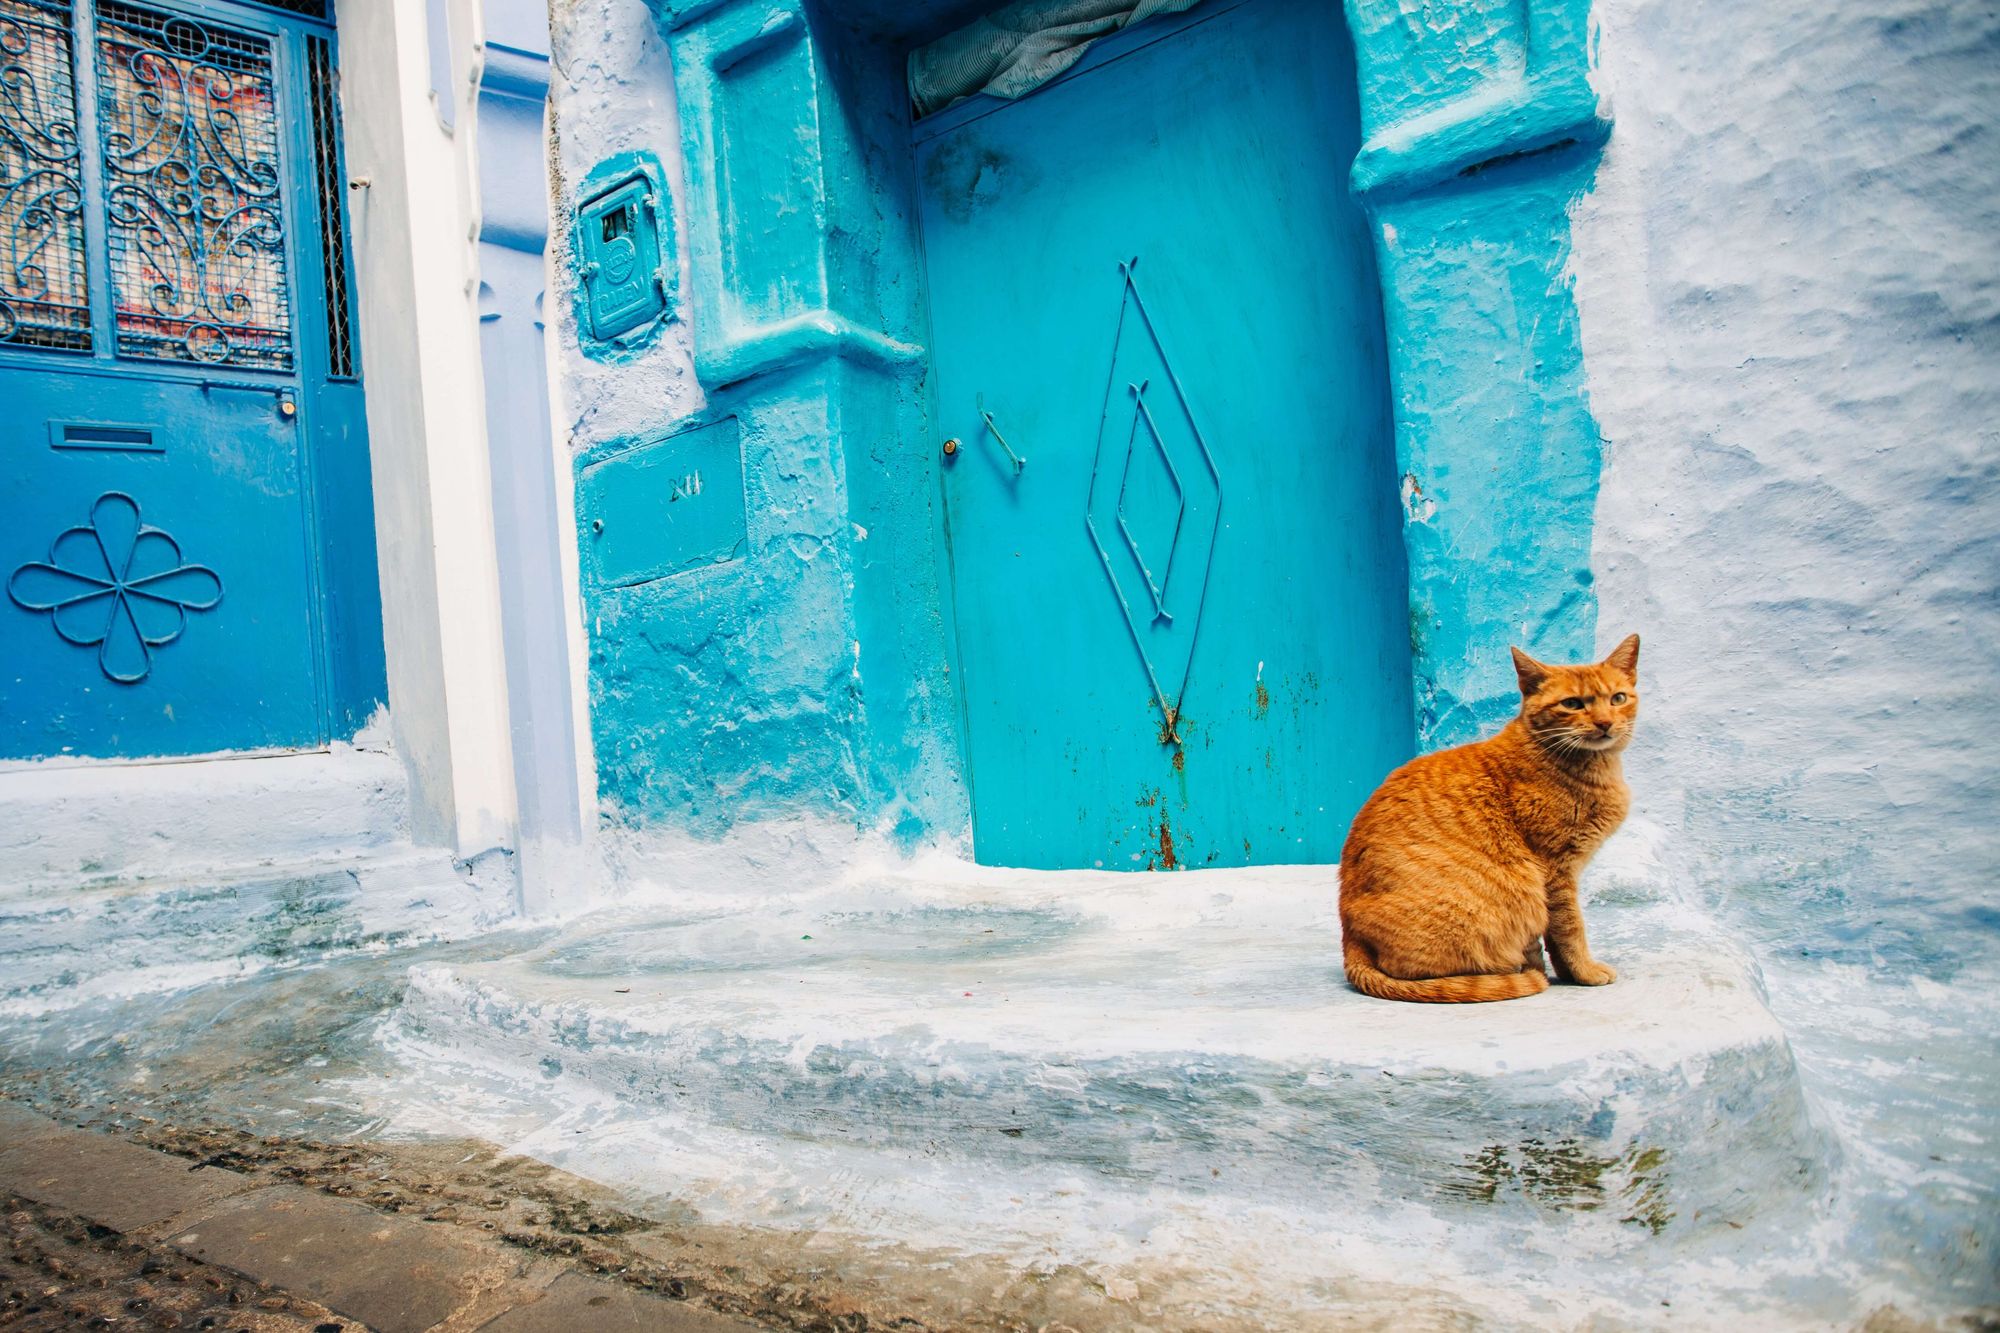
(186, 518)
(816, 672)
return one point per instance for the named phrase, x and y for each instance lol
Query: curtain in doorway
(1019, 47)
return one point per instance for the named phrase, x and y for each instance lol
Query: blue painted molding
(756, 233)
(1507, 121)
(1544, 101)
(513, 236)
(763, 289)
(815, 335)
(513, 183)
(745, 35)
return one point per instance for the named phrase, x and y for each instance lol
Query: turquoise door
(1176, 564)
(186, 538)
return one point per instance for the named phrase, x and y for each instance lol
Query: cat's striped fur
(1464, 861)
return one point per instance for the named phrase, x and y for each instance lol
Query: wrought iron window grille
(44, 282)
(188, 126)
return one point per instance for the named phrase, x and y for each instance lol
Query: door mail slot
(103, 436)
(667, 507)
(624, 275)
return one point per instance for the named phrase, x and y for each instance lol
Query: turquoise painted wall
(1482, 131)
(725, 691)
(1499, 471)
(805, 670)
(809, 669)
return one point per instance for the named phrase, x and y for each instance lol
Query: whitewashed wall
(414, 264)
(1789, 281)
(613, 87)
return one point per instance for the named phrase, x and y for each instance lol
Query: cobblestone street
(103, 1233)
(61, 1270)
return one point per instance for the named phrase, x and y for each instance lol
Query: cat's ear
(1529, 672)
(1625, 657)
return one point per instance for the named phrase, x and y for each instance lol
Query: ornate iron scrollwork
(44, 299)
(189, 127)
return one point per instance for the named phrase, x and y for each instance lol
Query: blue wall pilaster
(807, 669)
(1482, 128)
(513, 234)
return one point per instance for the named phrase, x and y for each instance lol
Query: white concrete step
(1182, 1033)
(68, 824)
(63, 947)
(140, 877)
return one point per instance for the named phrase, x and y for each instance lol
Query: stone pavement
(375, 1270)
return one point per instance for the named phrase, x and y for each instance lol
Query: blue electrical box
(625, 277)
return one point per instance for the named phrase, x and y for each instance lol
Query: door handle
(1018, 461)
(288, 403)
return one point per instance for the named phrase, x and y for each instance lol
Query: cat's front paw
(1593, 974)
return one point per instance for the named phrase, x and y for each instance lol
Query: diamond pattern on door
(1154, 505)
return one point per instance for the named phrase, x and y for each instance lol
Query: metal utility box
(625, 279)
(667, 507)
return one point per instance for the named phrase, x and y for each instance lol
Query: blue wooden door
(1177, 571)
(185, 530)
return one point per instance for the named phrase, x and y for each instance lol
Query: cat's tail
(1365, 977)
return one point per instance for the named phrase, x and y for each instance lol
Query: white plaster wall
(613, 92)
(1788, 277)
(576, 637)
(1789, 283)
(555, 270)
(433, 495)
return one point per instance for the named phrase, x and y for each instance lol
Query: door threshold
(66, 762)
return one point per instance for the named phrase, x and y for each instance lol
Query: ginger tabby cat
(1465, 859)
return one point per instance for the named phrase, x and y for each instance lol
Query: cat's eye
(1618, 698)
(1572, 702)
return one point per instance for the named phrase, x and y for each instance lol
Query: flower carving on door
(116, 585)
